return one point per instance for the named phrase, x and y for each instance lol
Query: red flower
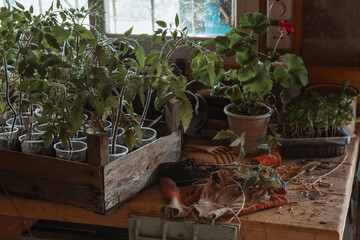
(288, 27)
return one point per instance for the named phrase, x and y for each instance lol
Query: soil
(263, 110)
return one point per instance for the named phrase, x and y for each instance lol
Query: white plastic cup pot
(34, 144)
(20, 127)
(77, 154)
(119, 136)
(80, 136)
(120, 152)
(8, 138)
(149, 135)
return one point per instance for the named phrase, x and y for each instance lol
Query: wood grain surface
(309, 216)
(127, 176)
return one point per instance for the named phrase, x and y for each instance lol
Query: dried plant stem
(318, 178)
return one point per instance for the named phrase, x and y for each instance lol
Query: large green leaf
(4, 13)
(140, 55)
(152, 56)
(129, 139)
(61, 34)
(257, 22)
(245, 57)
(52, 41)
(185, 113)
(83, 32)
(255, 80)
(101, 55)
(232, 93)
(207, 68)
(294, 74)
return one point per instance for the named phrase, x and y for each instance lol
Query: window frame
(242, 6)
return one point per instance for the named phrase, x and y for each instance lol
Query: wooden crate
(98, 185)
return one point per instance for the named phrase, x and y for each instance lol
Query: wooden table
(306, 217)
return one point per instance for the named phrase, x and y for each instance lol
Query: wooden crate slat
(98, 149)
(90, 198)
(125, 177)
(50, 168)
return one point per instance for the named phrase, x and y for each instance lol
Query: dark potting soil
(262, 110)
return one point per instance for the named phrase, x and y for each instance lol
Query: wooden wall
(330, 43)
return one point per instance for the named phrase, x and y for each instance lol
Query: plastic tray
(315, 147)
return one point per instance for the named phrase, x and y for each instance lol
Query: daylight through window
(201, 17)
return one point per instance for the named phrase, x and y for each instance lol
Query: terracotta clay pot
(254, 126)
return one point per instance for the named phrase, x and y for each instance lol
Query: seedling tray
(315, 147)
(97, 185)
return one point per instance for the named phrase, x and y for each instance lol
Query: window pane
(44, 5)
(202, 17)
(124, 14)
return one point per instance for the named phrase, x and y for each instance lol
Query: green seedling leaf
(185, 113)
(163, 99)
(4, 14)
(128, 32)
(161, 24)
(224, 134)
(48, 137)
(140, 55)
(152, 56)
(238, 141)
(251, 179)
(28, 15)
(345, 84)
(177, 22)
(112, 101)
(129, 139)
(101, 55)
(207, 43)
(141, 37)
(83, 32)
(263, 146)
(19, 5)
(52, 41)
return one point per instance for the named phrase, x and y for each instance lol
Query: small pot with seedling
(34, 144)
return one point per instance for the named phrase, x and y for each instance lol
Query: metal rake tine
(224, 152)
(219, 153)
(217, 160)
(227, 153)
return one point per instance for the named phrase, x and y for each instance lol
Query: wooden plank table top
(309, 216)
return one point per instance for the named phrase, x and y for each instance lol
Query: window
(43, 5)
(203, 18)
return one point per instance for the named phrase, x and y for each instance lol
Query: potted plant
(313, 125)
(255, 76)
(72, 72)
